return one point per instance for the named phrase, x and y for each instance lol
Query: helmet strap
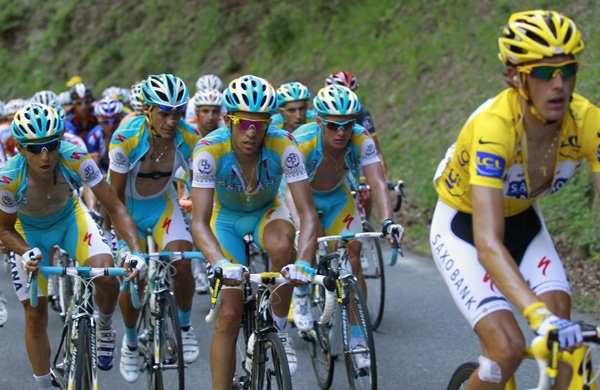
(534, 111)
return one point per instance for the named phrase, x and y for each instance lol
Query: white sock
(280, 322)
(104, 321)
(43, 382)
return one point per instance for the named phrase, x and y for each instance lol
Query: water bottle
(249, 352)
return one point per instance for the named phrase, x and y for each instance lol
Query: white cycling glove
(390, 227)
(300, 271)
(34, 254)
(231, 271)
(542, 321)
(136, 260)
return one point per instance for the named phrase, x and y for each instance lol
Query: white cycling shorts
(526, 238)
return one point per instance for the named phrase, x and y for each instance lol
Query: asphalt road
(420, 342)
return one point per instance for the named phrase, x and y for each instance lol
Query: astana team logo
(292, 161)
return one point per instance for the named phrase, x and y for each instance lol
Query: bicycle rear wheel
(319, 345)
(269, 364)
(361, 362)
(86, 375)
(371, 260)
(461, 376)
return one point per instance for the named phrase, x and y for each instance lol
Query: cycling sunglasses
(546, 72)
(179, 108)
(37, 148)
(112, 121)
(338, 126)
(81, 102)
(245, 124)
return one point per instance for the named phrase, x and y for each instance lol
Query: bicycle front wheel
(86, 375)
(161, 346)
(269, 364)
(461, 376)
(361, 362)
(319, 344)
(371, 260)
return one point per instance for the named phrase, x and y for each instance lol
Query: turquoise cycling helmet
(35, 121)
(166, 91)
(336, 100)
(250, 94)
(292, 92)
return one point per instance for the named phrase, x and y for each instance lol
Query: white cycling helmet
(46, 97)
(208, 97)
(35, 121)
(108, 107)
(13, 106)
(336, 100)
(136, 101)
(250, 94)
(64, 98)
(208, 81)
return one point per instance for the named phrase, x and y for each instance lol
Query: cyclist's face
(82, 107)
(334, 135)
(250, 140)
(208, 118)
(552, 97)
(294, 114)
(43, 163)
(163, 123)
(109, 125)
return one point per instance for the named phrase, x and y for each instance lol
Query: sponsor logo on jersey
(517, 189)
(490, 165)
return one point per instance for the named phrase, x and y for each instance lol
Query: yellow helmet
(74, 80)
(533, 35)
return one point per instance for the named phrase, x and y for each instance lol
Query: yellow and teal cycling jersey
(360, 151)
(130, 143)
(215, 166)
(74, 164)
(278, 120)
(491, 151)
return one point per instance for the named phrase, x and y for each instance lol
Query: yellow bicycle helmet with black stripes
(533, 35)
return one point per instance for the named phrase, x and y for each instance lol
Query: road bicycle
(260, 353)
(544, 350)
(351, 311)
(371, 256)
(75, 365)
(158, 328)
(60, 287)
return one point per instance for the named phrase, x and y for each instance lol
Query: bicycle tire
(85, 367)
(461, 375)
(319, 347)
(270, 362)
(374, 276)
(171, 347)
(62, 359)
(366, 377)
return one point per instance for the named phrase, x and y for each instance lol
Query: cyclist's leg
(222, 347)
(542, 267)
(40, 233)
(478, 299)
(275, 233)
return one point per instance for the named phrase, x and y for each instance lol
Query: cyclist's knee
(36, 318)
(559, 303)
(508, 354)
(228, 321)
(107, 284)
(182, 267)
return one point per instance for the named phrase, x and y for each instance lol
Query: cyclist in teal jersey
(293, 109)
(144, 155)
(39, 208)
(334, 148)
(236, 175)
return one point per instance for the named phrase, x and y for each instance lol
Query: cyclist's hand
(392, 231)
(542, 321)
(389, 184)
(300, 273)
(136, 264)
(30, 260)
(185, 204)
(233, 274)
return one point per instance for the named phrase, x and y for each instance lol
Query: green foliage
(423, 67)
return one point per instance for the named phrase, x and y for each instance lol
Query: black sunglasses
(37, 148)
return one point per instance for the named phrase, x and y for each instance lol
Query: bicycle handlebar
(82, 272)
(165, 255)
(348, 236)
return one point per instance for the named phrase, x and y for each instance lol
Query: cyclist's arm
(308, 221)
(204, 238)
(379, 152)
(289, 201)
(376, 180)
(488, 233)
(118, 181)
(9, 237)
(121, 220)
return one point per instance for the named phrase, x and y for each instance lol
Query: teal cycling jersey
(360, 151)
(74, 163)
(278, 120)
(130, 142)
(215, 166)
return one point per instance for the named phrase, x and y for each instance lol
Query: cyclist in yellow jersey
(488, 236)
